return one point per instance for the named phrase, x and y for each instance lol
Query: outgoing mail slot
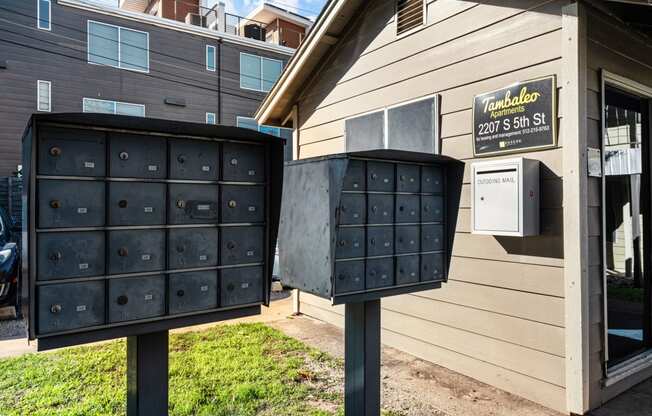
(194, 159)
(352, 209)
(354, 180)
(243, 204)
(137, 156)
(70, 254)
(380, 241)
(67, 152)
(136, 203)
(67, 306)
(132, 251)
(432, 208)
(407, 239)
(380, 209)
(132, 298)
(408, 178)
(70, 203)
(407, 269)
(241, 286)
(380, 176)
(192, 247)
(194, 291)
(407, 208)
(350, 242)
(243, 163)
(379, 273)
(241, 245)
(192, 204)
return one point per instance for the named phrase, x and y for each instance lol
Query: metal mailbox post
(136, 226)
(356, 227)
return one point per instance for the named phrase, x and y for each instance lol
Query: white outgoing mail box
(505, 197)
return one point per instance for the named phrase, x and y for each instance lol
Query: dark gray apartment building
(170, 59)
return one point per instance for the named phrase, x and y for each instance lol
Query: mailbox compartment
(192, 247)
(350, 242)
(67, 306)
(380, 241)
(407, 239)
(379, 273)
(407, 269)
(70, 254)
(408, 178)
(243, 204)
(432, 237)
(242, 245)
(352, 209)
(407, 208)
(194, 291)
(432, 208)
(134, 298)
(432, 267)
(66, 152)
(70, 203)
(355, 178)
(432, 180)
(137, 156)
(243, 163)
(136, 203)
(192, 203)
(241, 286)
(349, 276)
(380, 209)
(194, 160)
(132, 251)
(380, 176)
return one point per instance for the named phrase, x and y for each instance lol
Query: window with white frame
(250, 123)
(258, 73)
(43, 96)
(211, 58)
(210, 118)
(43, 13)
(409, 15)
(94, 105)
(118, 47)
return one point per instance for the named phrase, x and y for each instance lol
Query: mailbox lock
(374, 208)
(123, 155)
(232, 204)
(341, 276)
(55, 151)
(426, 207)
(56, 308)
(122, 203)
(181, 203)
(230, 245)
(372, 241)
(342, 243)
(234, 162)
(122, 300)
(181, 158)
(56, 256)
(180, 293)
(55, 204)
(374, 176)
(181, 249)
(123, 252)
(230, 287)
(402, 177)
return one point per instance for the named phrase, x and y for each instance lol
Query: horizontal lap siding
(500, 318)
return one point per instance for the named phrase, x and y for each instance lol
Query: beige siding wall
(611, 47)
(500, 319)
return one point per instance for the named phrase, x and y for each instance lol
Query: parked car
(9, 262)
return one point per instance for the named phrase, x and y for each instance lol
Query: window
(43, 96)
(210, 118)
(210, 58)
(409, 15)
(117, 46)
(250, 123)
(258, 73)
(93, 105)
(43, 12)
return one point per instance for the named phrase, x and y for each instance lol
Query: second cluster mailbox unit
(133, 230)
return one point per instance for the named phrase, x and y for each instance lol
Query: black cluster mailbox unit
(140, 225)
(364, 225)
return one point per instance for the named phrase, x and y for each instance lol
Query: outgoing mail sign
(519, 117)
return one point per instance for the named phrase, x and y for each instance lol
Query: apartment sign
(519, 117)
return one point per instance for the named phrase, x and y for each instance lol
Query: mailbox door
(243, 162)
(194, 160)
(194, 291)
(66, 152)
(70, 203)
(407, 269)
(192, 203)
(70, 254)
(380, 209)
(192, 247)
(133, 156)
(432, 180)
(408, 178)
(407, 208)
(432, 237)
(66, 306)
(136, 203)
(407, 239)
(432, 208)
(380, 176)
(432, 267)
(350, 242)
(349, 276)
(242, 245)
(379, 273)
(132, 251)
(134, 298)
(354, 180)
(241, 286)
(496, 199)
(243, 204)
(380, 241)
(352, 209)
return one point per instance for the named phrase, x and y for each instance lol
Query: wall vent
(409, 15)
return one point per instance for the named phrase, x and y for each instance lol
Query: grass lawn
(244, 369)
